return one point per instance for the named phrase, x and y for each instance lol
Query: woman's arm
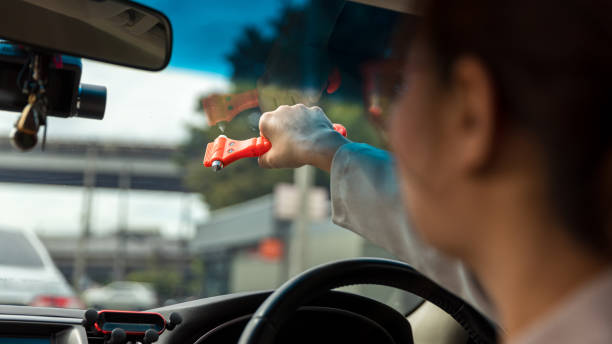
(365, 193)
(366, 199)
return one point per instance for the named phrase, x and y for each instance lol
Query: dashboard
(24, 340)
(335, 317)
(33, 325)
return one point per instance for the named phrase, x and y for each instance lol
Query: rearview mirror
(115, 31)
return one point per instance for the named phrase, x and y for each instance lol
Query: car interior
(42, 44)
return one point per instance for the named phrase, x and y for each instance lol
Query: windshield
(126, 199)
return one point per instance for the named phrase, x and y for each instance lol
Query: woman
(501, 136)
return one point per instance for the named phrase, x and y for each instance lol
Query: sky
(56, 210)
(205, 30)
(144, 108)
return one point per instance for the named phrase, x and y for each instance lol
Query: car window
(17, 251)
(127, 199)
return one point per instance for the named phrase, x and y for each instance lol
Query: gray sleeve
(366, 200)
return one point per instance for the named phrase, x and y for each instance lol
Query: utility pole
(298, 258)
(184, 230)
(89, 182)
(119, 264)
(184, 234)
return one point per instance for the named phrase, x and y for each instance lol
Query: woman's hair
(551, 66)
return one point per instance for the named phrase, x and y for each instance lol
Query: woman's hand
(300, 135)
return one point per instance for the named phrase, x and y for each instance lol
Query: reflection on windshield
(128, 200)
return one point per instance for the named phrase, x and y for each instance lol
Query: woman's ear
(472, 122)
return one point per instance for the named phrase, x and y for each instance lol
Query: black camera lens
(91, 102)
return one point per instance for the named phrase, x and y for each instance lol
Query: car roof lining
(403, 6)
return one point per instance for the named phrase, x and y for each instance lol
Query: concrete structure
(65, 163)
(228, 245)
(144, 250)
(99, 165)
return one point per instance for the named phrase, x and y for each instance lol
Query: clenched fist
(300, 135)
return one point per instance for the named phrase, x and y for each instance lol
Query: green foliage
(244, 180)
(194, 279)
(170, 282)
(166, 282)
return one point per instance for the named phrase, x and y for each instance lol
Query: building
(230, 246)
(108, 258)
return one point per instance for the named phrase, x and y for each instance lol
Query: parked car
(121, 295)
(28, 276)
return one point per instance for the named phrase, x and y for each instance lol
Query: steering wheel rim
(271, 314)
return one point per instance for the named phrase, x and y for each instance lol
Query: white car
(121, 295)
(28, 276)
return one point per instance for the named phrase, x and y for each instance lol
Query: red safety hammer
(224, 151)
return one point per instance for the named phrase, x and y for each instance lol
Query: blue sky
(159, 104)
(205, 30)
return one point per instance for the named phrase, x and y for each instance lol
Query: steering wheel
(271, 314)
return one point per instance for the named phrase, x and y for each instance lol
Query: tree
(250, 59)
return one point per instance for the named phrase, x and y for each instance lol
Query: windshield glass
(126, 199)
